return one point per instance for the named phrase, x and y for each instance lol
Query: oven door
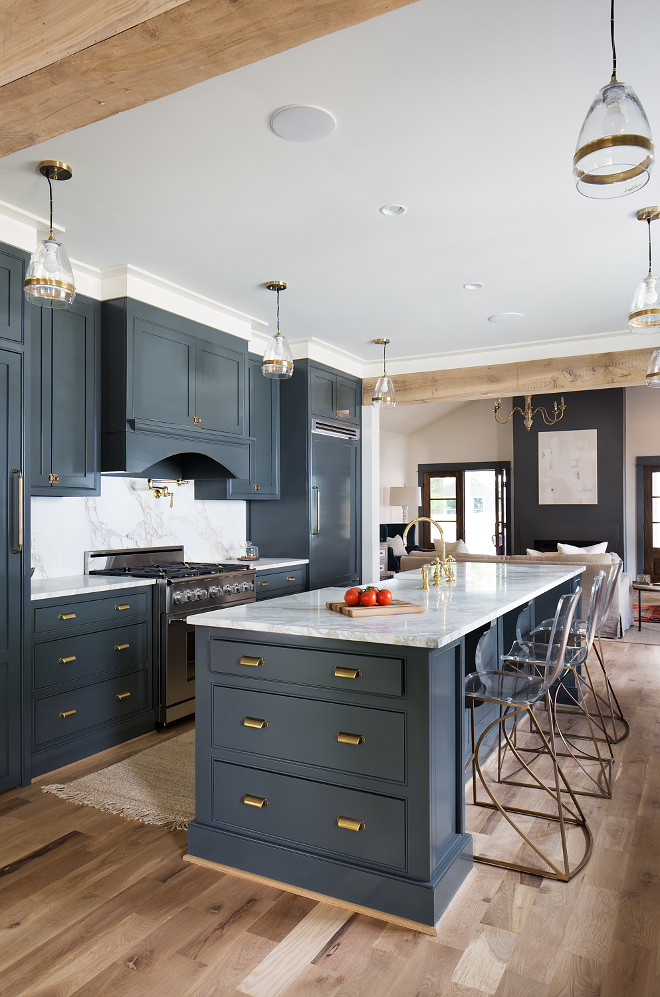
(177, 681)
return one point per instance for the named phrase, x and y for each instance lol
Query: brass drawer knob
(351, 824)
(290, 578)
(257, 488)
(122, 647)
(345, 738)
(347, 673)
(67, 713)
(264, 583)
(255, 801)
(254, 722)
(122, 695)
(67, 661)
(123, 605)
(245, 659)
(197, 420)
(66, 616)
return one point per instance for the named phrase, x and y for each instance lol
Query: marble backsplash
(127, 514)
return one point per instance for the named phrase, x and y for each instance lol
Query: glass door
(470, 502)
(652, 522)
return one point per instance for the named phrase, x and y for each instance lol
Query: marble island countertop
(481, 592)
(267, 563)
(61, 588)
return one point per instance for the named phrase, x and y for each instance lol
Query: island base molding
(423, 902)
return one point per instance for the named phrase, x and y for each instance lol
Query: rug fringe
(65, 792)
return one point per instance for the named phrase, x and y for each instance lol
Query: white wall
(468, 433)
(393, 473)
(642, 440)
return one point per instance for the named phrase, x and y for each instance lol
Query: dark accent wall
(604, 411)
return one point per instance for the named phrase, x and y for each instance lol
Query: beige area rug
(156, 786)
(649, 634)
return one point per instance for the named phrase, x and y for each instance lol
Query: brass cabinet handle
(290, 578)
(347, 673)
(254, 801)
(197, 420)
(345, 738)
(66, 616)
(66, 661)
(123, 605)
(351, 824)
(53, 479)
(122, 647)
(257, 488)
(67, 713)
(122, 695)
(264, 583)
(316, 532)
(20, 521)
(245, 659)
(254, 722)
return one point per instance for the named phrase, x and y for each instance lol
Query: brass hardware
(122, 647)
(197, 420)
(257, 488)
(290, 578)
(66, 616)
(443, 565)
(254, 722)
(254, 801)
(53, 479)
(649, 214)
(264, 583)
(351, 824)
(53, 169)
(606, 142)
(245, 659)
(318, 510)
(67, 661)
(122, 695)
(347, 673)
(67, 713)
(160, 491)
(20, 520)
(123, 605)
(345, 738)
(426, 568)
(381, 341)
(275, 285)
(49, 282)
(528, 413)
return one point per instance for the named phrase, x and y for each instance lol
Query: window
(470, 502)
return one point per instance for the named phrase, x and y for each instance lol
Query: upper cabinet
(333, 395)
(65, 431)
(12, 264)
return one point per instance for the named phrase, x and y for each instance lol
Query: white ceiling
(467, 113)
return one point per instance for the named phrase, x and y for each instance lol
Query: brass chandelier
(528, 413)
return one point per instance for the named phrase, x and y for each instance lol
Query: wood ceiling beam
(528, 377)
(68, 64)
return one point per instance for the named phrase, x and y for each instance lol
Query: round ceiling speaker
(302, 123)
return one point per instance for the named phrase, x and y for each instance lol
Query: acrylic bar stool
(516, 693)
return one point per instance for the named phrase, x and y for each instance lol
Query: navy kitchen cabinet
(273, 582)
(92, 675)
(12, 273)
(65, 399)
(334, 395)
(318, 514)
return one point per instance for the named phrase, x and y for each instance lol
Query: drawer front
(54, 717)
(284, 582)
(80, 655)
(308, 666)
(66, 616)
(307, 812)
(349, 738)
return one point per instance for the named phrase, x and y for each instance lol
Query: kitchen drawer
(284, 582)
(309, 666)
(306, 812)
(67, 616)
(308, 731)
(93, 704)
(80, 655)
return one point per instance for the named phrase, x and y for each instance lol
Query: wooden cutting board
(395, 608)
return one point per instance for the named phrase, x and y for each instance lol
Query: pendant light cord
(384, 348)
(650, 270)
(50, 191)
(278, 333)
(612, 40)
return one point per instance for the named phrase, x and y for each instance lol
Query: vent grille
(335, 429)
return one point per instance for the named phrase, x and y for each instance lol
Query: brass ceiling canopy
(276, 285)
(649, 214)
(381, 342)
(52, 169)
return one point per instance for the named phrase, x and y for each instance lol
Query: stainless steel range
(182, 589)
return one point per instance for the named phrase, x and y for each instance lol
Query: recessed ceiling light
(302, 123)
(506, 317)
(392, 209)
(473, 286)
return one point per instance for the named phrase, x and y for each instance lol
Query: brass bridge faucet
(442, 566)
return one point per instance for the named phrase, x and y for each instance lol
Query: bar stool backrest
(610, 588)
(596, 603)
(558, 639)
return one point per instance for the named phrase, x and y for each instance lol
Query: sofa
(621, 613)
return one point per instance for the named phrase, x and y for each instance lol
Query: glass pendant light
(383, 394)
(645, 309)
(49, 279)
(277, 361)
(653, 372)
(614, 154)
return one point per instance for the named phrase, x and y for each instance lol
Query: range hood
(144, 451)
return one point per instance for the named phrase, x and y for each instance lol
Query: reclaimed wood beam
(528, 377)
(66, 65)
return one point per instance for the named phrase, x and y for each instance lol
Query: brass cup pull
(67, 713)
(345, 738)
(66, 616)
(254, 722)
(53, 479)
(197, 420)
(290, 578)
(257, 488)
(67, 661)
(122, 695)
(254, 801)
(122, 647)
(350, 824)
(245, 659)
(264, 583)
(347, 673)
(123, 605)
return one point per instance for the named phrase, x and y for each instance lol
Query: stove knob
(178, 597)
(213, 592)
(237, 587)
(227, 589)
(247, 586)
(201, 594)
(189, 595)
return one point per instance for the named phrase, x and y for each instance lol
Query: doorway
(470, 502)
(651, 520)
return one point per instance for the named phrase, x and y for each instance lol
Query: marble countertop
(55, 588)
(481, 592)
(267, 563)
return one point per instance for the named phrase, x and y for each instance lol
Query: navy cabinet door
(264, 480)
(347, 399)
(12, 269)
(220, 389)
(163, 374)
(10, 571)
(335, 512)
(322, 393)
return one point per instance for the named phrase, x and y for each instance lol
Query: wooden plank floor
(95, 906)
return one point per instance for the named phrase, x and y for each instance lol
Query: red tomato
(352, 597)
(368, 597)
(384, 597)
